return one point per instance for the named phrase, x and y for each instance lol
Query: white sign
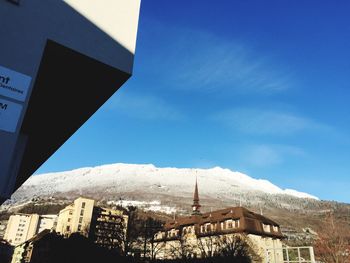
(10, 113)
(13, 84)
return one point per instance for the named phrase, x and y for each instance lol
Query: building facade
(75, 217)
(106, 227)
(22, 227)
(203, 235)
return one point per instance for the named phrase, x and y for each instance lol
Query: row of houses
(104, 226)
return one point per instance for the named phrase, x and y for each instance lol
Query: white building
(22, 227)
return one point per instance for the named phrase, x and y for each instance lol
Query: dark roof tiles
(250, 222)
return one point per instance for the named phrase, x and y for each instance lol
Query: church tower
(196, 206)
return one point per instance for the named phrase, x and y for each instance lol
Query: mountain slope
(150, 182)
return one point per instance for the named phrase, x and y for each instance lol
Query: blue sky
(260, 87)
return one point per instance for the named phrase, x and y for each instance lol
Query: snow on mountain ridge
(140, 177)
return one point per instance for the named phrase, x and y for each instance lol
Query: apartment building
(106, 227)
(22, 227)
(76, 217)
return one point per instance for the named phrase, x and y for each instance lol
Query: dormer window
(266, 228)
(207, 227)
(230, 223)
(275, 228)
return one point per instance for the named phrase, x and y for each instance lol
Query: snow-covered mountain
(147, 182)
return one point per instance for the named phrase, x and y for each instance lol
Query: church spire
(196, 206)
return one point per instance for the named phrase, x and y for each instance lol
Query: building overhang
(74, 55)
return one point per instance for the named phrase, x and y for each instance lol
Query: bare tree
(155, 248)
(333, 242)
(151, 247)
(209, 246)
(181, 248)
(238, 247)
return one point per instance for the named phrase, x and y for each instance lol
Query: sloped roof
(250, 222)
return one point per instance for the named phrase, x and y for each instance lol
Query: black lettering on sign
(3, 106)
(4, 80)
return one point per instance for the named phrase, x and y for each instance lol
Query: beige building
(106, 227)
(75, 217)
(203, 235)
(22, 227)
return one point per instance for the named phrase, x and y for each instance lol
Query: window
(69, 219)
(79, 227)
(266, 228)
(275, 228)
(207, 227)
(67, 228)
(83, 205)
(70, 213)
(82, 212)
(80, 220)
(229, 224)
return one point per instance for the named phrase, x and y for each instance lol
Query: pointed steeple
(196, 206)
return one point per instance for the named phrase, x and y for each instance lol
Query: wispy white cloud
(269, 122)
(197, 60)
(265, 155)
(146, 107)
